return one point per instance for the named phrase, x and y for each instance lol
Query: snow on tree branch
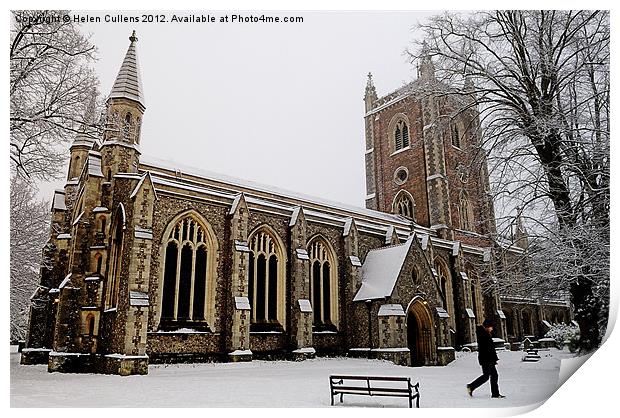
(541, 82)
(51, 85)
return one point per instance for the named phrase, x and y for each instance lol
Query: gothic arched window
(404, 206)
(323, 284)
(401, 135)
(465, 216)
(189, 259)
(445, 283)
(99, 262)
(266, 281)
(102, 222)
(90, 325)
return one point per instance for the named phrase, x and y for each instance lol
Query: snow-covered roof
(94, 164)
(392, 309)
(137, 188)
(380, 271)
(78, 218)
(347, 227)
(242, 303)
(302, 254)
(304, 305)
(58, 202)
(389, 234)
(233, 207)
(65, 281)
(143, 233)
(441, 312)
(264, 194)
(138, 298)
(82, 140)
(355, 261)
(294, 216)
(128, 84)
(242, 246)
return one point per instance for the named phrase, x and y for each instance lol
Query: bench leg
(332, 399)
(341, 398)
(410, 403)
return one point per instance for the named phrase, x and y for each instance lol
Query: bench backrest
(365, 378)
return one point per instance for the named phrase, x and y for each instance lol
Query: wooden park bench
(374, 386)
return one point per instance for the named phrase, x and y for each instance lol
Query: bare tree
(29, 232)
(51, 83)
(541, 83)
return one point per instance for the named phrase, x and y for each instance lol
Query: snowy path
(282, 384)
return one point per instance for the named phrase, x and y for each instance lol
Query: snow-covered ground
(283, 384)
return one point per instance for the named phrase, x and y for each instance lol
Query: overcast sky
(277, 103)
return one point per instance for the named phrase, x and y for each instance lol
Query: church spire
(520, 234)
(371, 93)
(123, 120)
(128, 84)
(426, 69)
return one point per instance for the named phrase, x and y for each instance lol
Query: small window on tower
(401, 135)
(127, 126)
(405, 136)
(102, 224)
(465, 215)
(456, 136)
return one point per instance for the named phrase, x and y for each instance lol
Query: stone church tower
(424, 161)
(101, 214)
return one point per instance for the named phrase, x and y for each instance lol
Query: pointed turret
(426, 69)
(371, 93)
(468, 85)
(128, 84)
(84, 140)
(124, 110)
(520, 234)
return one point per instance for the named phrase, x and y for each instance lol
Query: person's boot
(498, 396)
(470, 390)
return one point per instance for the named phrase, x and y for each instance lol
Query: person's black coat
(486, 348)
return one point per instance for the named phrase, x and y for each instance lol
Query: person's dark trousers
(488, 371)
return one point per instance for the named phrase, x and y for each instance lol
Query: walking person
(487, 357)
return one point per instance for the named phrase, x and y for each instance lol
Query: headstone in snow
(531, 356)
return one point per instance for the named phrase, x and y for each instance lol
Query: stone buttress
(301, 309)
(238, 341)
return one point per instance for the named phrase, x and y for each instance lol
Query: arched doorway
(420, 333)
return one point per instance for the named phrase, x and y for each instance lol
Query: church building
(149, 262)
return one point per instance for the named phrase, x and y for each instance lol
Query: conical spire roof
(128, 84)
